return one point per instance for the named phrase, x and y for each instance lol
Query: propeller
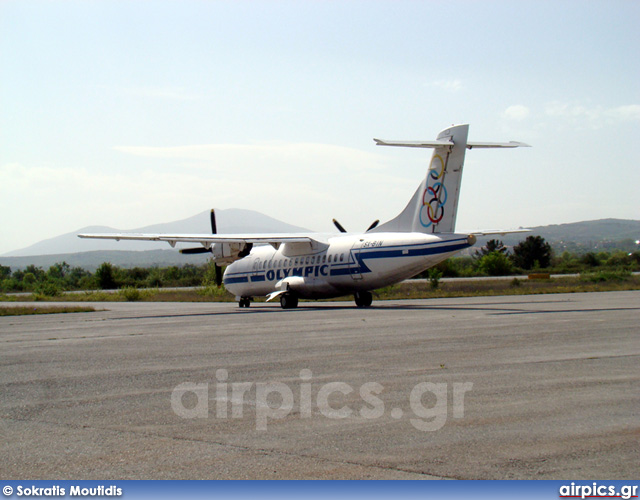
(343, 230)
(191, 251)
(373, 224)
(339, 226)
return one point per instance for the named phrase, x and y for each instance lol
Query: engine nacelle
(226, 253)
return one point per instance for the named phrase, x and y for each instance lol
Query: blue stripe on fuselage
(348, 268)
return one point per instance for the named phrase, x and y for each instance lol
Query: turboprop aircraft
(317, 265)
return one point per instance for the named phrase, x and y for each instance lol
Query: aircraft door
(256, 267)
(354, 260)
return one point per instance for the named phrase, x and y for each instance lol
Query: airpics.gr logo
(428, 401)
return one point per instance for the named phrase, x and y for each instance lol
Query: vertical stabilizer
(434, 205)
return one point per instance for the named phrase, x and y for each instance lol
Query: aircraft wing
(206, 240)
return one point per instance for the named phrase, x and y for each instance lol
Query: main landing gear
(363, 299)
(288, 301)
(244, 302)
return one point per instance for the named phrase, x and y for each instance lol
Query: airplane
(292, 266)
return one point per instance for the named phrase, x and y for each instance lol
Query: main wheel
(363, 299)
(244, 302)
(288, 301)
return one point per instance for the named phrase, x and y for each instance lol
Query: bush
(434, 278)
(48, 289)
(212, 291)
(495, 264)
(28, 279)
(601, 276)
(590, 259)
(11, 285)
(130, 294)
(155, 279)
(620, 259)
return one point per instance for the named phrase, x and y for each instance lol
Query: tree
(532, 252)
(58, 271)
(495, 264)
(105, 276)
(36, 271)
(491, 246)
(5, 272)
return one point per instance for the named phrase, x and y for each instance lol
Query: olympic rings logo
(434, 197)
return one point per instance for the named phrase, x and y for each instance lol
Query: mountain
(591, 231)
(229, 221)
(583, 236)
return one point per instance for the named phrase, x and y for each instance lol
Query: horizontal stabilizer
(500, 232)
(414, 144)
(510, 144)
(448, 143)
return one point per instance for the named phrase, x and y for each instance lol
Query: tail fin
(434, 206)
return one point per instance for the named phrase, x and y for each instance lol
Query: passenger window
(329, 259)
(313, 259)
(341, 257)
(324, 259)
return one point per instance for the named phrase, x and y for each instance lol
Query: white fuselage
(350, 263)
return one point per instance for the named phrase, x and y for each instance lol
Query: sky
(130, 113)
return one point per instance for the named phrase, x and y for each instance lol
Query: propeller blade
(339, 226)
(373, 224)
(218, 275)
(214, 229)
(188, 251)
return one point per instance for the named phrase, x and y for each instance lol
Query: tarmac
(517, 387)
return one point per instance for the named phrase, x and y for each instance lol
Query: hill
(232, 221)
(582, 236)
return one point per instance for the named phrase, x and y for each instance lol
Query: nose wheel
(363, 299)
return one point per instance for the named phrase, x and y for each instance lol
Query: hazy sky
(128, 113)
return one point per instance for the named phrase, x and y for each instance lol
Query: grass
(24, 310)
(599, 282)
(409, 290)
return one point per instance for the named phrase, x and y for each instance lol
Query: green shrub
(601, 276)
(48, 289)
(495, 264)
(434, 277)
(130, 294)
